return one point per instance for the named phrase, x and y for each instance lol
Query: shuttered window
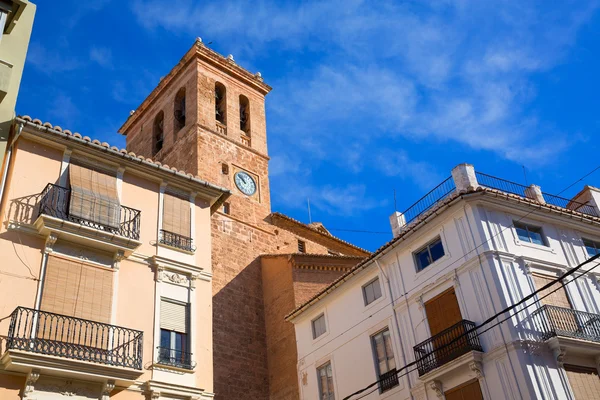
(584, 382)
(442, 312)
(325, 377)
(371, 291)
(177, 215)
(94, 196)
(318, 326)
(174, 316)
(558, 298)
(77, 289)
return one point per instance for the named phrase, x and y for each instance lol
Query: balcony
(221, 128)
(176, 240)
(553, 321)
(446, 346)
(388, 381)
(39, 339)
(175, 358)
(114, 226)
(245, 139)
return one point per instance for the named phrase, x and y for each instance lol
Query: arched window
(179, 110)
(220, 103)
(158, 132)
(244, 114)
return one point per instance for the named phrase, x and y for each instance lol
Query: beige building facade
(106, 272)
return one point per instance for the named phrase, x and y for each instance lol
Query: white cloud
(102, 56)
(63, 110)
(50, 61)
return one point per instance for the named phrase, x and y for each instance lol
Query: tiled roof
(317, 230)
(122, 153)
(420, 221)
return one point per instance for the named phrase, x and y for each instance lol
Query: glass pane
(377, 289)
(389, 351)
(536, 237)
(318, 326)
(590, 247)
(165, 338)
(437, 250)
(422, 259)
(369, 295)
(379, 347)
(522, 233)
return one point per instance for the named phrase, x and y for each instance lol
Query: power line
(443, 269)
(492, 318)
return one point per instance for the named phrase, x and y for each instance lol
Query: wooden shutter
(94, 196)
(76, 289)
(174, 316)
(584, 382)
(442, 312)
(177, 215)
(469, 391)
(558, 298)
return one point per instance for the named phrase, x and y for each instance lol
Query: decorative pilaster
(32, 378)
(559, 354)
(160, 273)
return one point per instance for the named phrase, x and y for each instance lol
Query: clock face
(245, 183)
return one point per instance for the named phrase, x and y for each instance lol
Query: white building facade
(470, 248)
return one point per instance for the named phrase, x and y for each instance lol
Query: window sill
(172, 368)
(190, 252)
(542, 247)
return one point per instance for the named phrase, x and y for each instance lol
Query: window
(158, 133)
(371, 291)
(384, 360)
(301, 246)
(179, 114)
(318, 326)
(225, 169)
(325, 377)
(94, 197)
(226, 208)
(530, 234)
(429, 254)
(220, 103)
(591, 247)
(176, 224)
(174, 334)
(244, 114)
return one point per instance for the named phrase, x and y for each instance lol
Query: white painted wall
(489, 268)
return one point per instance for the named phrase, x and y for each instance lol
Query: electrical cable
(493, 236)
(507, 309)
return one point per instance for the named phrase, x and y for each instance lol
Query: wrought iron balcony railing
(518, 189)
(446, 346)
(176, 240)
(388, 380)
(175, 358)
(55, 202)
(75, 338)
(553, 321)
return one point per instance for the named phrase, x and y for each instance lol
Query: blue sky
(368, 96)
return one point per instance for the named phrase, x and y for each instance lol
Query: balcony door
(558, 307)
(443, 315)
(584, 382)
(468, 391)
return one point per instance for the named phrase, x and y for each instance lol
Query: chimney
(397, 220)
(534, 192)
(464, 177)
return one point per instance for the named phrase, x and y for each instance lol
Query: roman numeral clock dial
(245, 183)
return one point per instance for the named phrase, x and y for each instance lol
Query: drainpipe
(8, 159)
(389, 286)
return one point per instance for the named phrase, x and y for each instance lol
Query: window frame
(427, 247)
(527, 227)
(331, 391)
(594, 243)
(372, 281)
(387, 358)
(312, 326)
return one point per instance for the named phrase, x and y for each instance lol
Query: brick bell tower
(207, 117)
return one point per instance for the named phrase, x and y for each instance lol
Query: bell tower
(207, 117)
